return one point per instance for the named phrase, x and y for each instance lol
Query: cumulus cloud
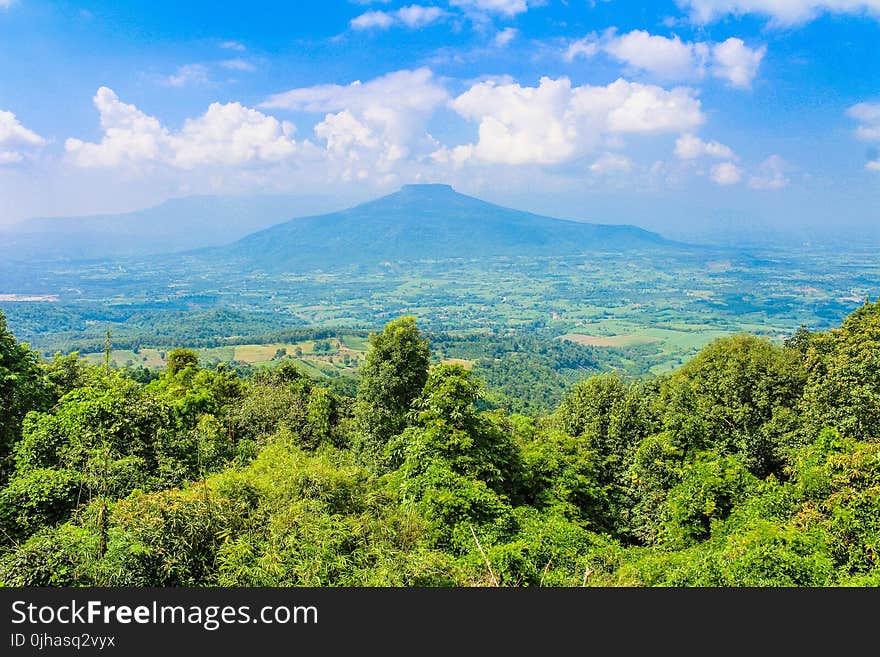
(15, 139)
(226, 135)
(130, 136)
(502, 7)
(782, 12)
(735, 62)
(556, 122)
(726, 173)
(393, 109)
(873, 165)
(411, 16)
(691, 147)
(771, 174)
(350, 144)
(670, 58)
(868, 116)
(341, 131)
(229, 134)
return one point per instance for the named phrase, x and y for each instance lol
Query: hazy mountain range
(177, 225)
(418, 222)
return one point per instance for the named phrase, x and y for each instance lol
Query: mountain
(177, 225)
(424, 222)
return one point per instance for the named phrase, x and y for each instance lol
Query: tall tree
(737, 396)
(843, 386)
(394, 372)
(180, 359)
(22, 389)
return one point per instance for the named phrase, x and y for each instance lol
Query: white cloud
(15, 139)
(395, 108)
(868, 116)
(771, 174)
(416, 16)
(130, 136)
(13, 132)
(782, 12)
(502, 7)
(238, 64)
(351, 145)
(372, 19)
(873, 165)
(735, 62)
(555, 122)
(611, 163)
(226, 135)
(691, 147)
(586, 47)
(341, 131)
(726, 173)
(670, 58)
(384, 97)
(232, 135)
(232, 45)
(6, 3)
(505, 36)
(411, 16)
(186, 75)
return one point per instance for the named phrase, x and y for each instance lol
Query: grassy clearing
(465, 363)
(257, 353)
(338, 354)
(608, 340)
(355, 342)
(149, 358)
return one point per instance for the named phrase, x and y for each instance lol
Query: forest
(753, 464)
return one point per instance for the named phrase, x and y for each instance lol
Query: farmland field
(608, 340)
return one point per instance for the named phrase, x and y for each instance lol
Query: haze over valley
(634, 300)
(417, 293)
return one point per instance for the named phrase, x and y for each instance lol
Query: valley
(623, 298)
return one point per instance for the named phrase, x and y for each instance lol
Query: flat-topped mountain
(426, 222)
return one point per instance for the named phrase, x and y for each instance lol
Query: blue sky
(674, 115)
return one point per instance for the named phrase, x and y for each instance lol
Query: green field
(608, 340)
(342, 356)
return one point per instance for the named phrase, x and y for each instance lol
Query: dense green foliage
(753, 464)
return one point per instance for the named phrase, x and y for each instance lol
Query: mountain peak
(427, 189)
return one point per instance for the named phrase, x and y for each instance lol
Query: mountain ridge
(175, 225)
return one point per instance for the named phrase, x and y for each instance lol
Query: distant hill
(177, 225)
(422, 222)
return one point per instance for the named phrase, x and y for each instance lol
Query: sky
(679, 115)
